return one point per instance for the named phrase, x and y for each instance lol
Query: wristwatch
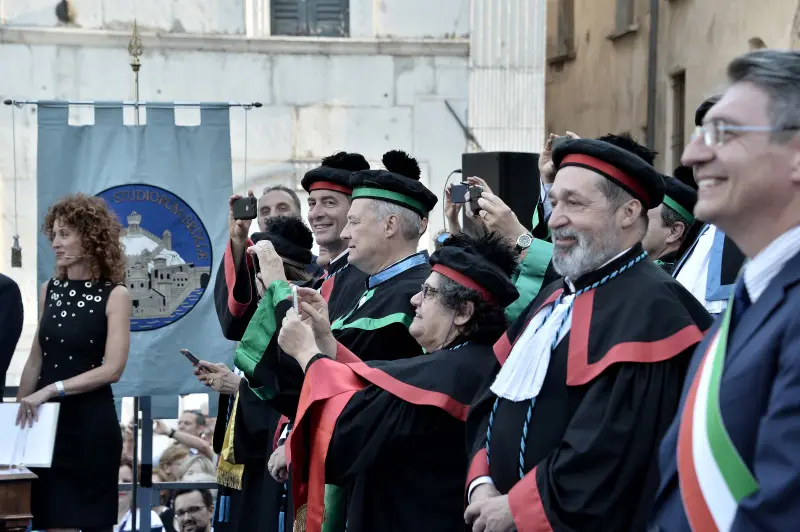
(524, 241)
(171, 433)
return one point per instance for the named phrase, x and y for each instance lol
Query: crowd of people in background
(627, 361)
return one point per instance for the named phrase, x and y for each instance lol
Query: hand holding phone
(245, 208)
(458, 194)
(558, 141)
(193, 359)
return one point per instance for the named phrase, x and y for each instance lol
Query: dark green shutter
(327, 18)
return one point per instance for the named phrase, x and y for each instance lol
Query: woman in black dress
(80, 348)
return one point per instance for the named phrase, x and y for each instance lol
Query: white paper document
(30, 447)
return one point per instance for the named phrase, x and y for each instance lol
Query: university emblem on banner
(168, 252)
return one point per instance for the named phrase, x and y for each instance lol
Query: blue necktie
(741, 302)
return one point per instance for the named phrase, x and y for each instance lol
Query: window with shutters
(322, 18)
(678, 116)
(624, 16)
(565, 35)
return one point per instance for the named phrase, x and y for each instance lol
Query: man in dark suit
(10, 324)
(731, 460)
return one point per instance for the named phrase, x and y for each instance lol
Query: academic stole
(229, 473)
(713, 477)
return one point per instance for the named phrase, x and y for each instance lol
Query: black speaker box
(514, 176)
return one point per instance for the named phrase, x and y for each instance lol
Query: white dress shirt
(760, 271)
(693, 275)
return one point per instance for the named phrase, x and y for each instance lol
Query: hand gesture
(477, 181)
(314, 312)
(238, 229)
(491, 515)
(28, 412)
(547, 170)
(217, 377)
(499, 218)
(269, 262)
(297, 339)
(277, 465)
(160, 428)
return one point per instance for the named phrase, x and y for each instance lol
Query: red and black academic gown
(610, 393)
(393, 432)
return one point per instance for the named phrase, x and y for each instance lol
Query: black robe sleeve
(588, 482)
(235, 297)
(374, 425)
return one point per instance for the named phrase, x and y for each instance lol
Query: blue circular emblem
(168, 253)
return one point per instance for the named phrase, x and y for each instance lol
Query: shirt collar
(397, 268)
(760, 271)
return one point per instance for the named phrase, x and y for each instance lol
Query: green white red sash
(713, 477)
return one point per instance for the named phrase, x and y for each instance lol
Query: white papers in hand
(31, 447)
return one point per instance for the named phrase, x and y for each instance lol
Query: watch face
(524, 241)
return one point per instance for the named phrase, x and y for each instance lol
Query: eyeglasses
(425, 289)
(180, 514)
(716, 133)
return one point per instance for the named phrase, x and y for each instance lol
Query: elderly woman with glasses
(393, 431)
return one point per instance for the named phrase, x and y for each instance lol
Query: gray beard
(586, 256)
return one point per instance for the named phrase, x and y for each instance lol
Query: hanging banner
(168, 186)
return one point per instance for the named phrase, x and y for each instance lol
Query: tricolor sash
(713, 477)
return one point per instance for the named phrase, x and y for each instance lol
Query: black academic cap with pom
(291, 239)
(703, 108)
(685, 174)
(680, 198)
(484, 265)
(623, 167)
(334, 173)
(398, 183)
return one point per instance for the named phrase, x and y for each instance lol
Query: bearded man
(589, 376)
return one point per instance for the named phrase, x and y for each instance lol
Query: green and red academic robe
(609, 394)
(256, 421)
(392, 432)
(374, 328)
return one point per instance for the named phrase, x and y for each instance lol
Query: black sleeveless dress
(80, 489)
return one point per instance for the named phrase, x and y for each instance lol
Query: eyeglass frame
(191, 510)
(427, 289)
(720, 128)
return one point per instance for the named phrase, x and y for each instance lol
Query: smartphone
(295, 303)
(458, 193)
(245, 208)
(190, 356)
(475, 192)
(558, 141)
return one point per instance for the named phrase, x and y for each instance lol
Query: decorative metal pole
(135, 51)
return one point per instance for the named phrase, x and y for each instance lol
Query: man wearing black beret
(329, 196)
(589, 376)
(670, 223)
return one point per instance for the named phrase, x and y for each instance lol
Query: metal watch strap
(522, 248)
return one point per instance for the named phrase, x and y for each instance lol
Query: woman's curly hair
(99, 230)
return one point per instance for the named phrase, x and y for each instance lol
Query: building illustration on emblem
(163, 286)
